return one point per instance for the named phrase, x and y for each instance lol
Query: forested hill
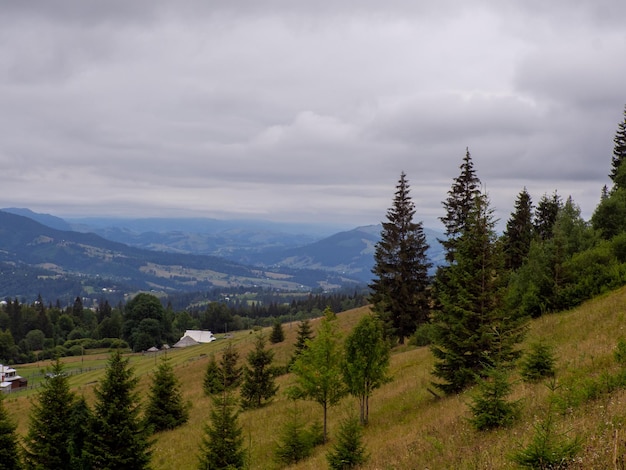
(44, 256)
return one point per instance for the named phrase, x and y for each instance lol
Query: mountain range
(180, 254)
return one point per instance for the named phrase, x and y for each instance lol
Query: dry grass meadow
(409, 427)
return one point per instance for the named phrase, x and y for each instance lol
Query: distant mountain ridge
(57, 255)
(306, 258)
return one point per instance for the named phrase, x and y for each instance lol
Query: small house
(9, 380)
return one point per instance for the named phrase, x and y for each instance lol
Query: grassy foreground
(409, 427)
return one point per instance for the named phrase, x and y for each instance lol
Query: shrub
(620, 352)
(422, 336)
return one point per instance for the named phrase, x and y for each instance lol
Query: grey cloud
(299, 109)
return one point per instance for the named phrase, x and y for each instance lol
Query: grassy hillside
(409, 427)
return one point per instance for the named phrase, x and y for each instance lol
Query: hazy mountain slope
(25, 242)
(45, 219)
(350, 252)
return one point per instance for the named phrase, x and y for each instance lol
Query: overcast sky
(304, 111)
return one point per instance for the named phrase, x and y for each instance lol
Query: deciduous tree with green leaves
(48, 442)
(118, 437)
(400, 284)
(165, 408)
(318, 368)
(366, 362)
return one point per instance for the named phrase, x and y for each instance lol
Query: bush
(423, 335)
(75, 351)
(620, 352)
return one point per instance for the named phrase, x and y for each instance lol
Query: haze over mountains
(191, 254)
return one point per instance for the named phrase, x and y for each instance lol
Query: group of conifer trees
(65, 433)
(475, 310)
(326, 367)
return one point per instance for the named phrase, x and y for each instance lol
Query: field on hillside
(409, 427)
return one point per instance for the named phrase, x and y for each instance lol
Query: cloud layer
(297, 111)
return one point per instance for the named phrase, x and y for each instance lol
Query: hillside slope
(410, 428)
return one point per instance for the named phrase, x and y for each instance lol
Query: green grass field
(409, 427)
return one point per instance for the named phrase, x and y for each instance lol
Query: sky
(302, 111)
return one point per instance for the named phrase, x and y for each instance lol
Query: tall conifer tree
(519, 232)
(118, 438)
(399, 288)
(545, 215)
(9, 447)
(472, 330)
(619, 155)
(458, 205)
(49, 437)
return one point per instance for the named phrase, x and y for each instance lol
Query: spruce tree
(118, 438)
(519, 232)
(230, 368)
(225, 375)
(399, 287)
(80, 418)
(538, 362)
(222, 443)
(258, 376)
(366, 362)
(490, 405)
(277, 335)
(465, 188)
(318, 368)
(303, 335)
(9, 447)
(349, 451)
(213, 378)
(619, 155)
(165, 409)
(472, 330)
(49, 437)
(545, 215)
(296, 442)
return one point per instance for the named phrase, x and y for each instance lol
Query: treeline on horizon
(37, 331)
